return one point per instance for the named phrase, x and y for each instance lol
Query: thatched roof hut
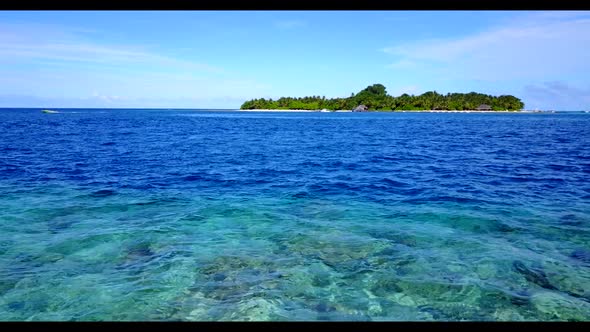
(360, 108)
(484, 107)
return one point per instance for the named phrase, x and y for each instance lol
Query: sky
(219, 59)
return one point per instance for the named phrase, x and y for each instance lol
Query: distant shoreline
(408, 111)
(375, 97)
(293, 111)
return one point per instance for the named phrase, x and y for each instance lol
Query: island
(375, 98)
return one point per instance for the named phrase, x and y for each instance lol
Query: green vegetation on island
(375, 97)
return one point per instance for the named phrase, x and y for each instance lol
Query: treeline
(375, 97)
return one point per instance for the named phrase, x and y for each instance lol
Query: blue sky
(219, 59)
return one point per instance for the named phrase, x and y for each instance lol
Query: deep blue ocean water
(218, 215)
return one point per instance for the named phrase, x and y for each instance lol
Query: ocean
(202, 215)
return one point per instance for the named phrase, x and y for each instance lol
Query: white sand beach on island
(397, 111)
(294, 111)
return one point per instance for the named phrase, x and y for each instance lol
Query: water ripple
(201, 215)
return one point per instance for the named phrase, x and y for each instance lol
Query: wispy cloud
(108, 101)
(290, 24)
(536, 47)
(95, 83)
(49, 44)
(70, 67)
(403, 64)
(409, 89)
(550, 94)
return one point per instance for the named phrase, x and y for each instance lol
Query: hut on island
(360, 108)
(484, 107)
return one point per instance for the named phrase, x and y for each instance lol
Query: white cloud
(47, 44)
(64, 66)
(403, 64)
(539, 46)
(108, 101)
(557, 95)
(409, 89)
(290, 24)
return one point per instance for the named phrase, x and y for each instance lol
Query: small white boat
(49, 111)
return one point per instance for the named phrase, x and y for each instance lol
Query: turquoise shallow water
(208, 216)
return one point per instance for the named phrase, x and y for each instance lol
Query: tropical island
(375, 98)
